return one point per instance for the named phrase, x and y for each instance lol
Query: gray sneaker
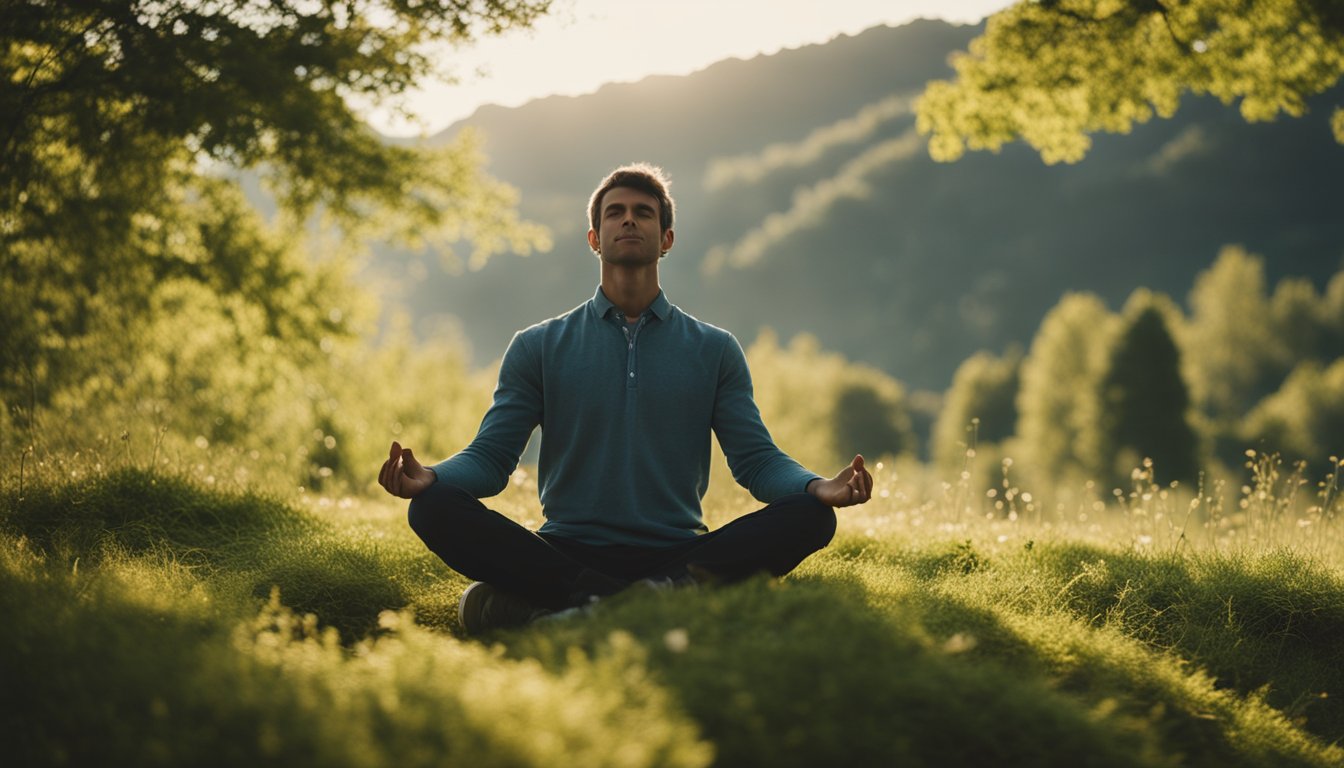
(483, 608)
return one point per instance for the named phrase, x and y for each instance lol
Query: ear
(668, 237)
(593, 242)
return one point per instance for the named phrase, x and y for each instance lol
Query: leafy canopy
(1051, 72)
(111, 87)
(120, 118)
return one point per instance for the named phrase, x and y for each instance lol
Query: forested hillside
(807, 202)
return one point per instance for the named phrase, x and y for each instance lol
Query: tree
(1230, 340)
(1332, 314)
(1301, 328)
(119, 117)
(1051, 72)
(979, 408)
(1305, 418)
(1145, 401)
(821, 408)
(1058, 404)
(871, 416)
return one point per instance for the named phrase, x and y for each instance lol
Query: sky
(582, 44)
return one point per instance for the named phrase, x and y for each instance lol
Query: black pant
(556, 572)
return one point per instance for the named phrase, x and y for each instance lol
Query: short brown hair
(649, 179)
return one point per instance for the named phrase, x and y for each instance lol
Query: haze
(583, 44)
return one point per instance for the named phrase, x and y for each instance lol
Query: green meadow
(1113, 540)
(150, 618)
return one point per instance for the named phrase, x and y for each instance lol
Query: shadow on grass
(137, 511)
(862, 663)
(248, 543)
(933, 656)
(99, 674)
(1265, 624)
(1269, 622)
(805, 672)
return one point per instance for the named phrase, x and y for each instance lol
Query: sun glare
(583, 44)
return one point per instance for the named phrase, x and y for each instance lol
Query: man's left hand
(852, 486)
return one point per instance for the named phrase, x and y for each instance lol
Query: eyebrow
(640, 207)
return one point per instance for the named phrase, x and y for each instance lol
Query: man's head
(643, 178)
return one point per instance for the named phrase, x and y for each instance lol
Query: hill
(807, 203)
(137, 630)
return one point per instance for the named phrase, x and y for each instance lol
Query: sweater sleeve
(483, 467)
(756, 462)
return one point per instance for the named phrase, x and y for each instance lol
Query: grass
(151, 620)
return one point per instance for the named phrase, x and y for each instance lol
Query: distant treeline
(212, 384)
(1098, 392)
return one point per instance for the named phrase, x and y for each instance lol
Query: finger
(395, 480)
(865, 479)
(384, 473)
(411, 464)
(855, 467)
(862, 489)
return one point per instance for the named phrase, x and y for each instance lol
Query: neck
(631, 289)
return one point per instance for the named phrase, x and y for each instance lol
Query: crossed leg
(556, 572)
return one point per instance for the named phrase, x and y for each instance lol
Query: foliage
(980, 407)
(1052, 72)
(849, 408)
(117, 214)
(1259, 369)
(1304, 419)
(1059, 404)
(245, 347)
(1145, 400)
(98, 90)
(1231, 345)
(1241, 343)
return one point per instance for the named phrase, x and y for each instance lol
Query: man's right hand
(402, 475)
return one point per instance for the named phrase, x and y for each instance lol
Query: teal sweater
(625, 412)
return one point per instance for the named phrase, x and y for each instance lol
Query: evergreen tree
(1145, 401)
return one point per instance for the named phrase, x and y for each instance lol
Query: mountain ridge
(908, 265)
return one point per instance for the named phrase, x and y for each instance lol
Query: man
(627, 389)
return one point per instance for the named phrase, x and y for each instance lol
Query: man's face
(629, 229)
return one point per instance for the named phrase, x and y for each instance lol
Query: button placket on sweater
(631, 337)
